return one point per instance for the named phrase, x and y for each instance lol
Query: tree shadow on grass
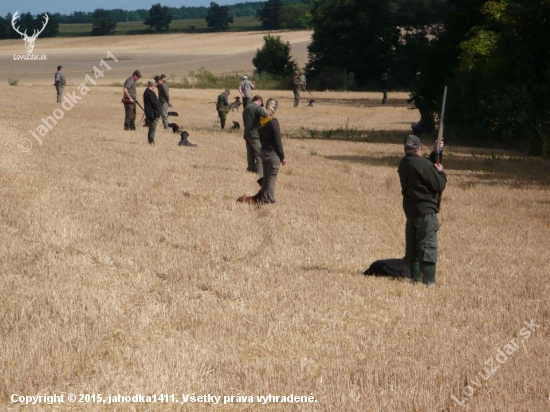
(352, 134)
(356, 102)
(488, 170)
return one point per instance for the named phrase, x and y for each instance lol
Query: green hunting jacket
(223, 103)
(421, 186)
(251, 120)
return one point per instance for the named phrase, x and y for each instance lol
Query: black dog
(236, 125)
(175, 127)
(235, 104)
(311, 101)
(184, 142)
(393, 268)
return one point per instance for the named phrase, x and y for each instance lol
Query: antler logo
(29, 40)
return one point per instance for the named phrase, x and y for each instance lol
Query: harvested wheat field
(130, 270)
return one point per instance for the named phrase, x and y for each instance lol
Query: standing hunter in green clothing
(422, 182)
(222, 106)
(59, 83)
(251, 121)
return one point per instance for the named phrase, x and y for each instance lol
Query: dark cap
(137, 73)
(157, 78)
(412, 142)
(257, 97)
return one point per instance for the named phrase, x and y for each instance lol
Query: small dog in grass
(251, 200)
(311, 101)
(236, 125)
(175, 127)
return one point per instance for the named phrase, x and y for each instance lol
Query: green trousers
(152, 129)
(253, 156)
(421, 247)
(271, 165)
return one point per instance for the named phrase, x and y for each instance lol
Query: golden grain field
(129, 269)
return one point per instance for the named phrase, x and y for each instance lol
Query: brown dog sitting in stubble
(251, 200)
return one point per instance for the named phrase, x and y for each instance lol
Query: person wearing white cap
(245, 88)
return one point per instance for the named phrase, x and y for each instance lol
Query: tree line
(494, 56)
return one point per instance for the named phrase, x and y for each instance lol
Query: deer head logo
(29, 40)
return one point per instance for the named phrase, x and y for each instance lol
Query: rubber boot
(222, 121)
(428, 273)
(415, 270)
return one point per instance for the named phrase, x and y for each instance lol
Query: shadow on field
(374, 102)
(485, 170)
(391, 161)
(350, 134)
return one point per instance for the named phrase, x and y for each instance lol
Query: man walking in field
(222, 106)
(245, 88)
(251, 121)
(422, 182)
(164, 98)
(59, 83)
(129, 99)
(384, 84)
(296, 86)
(303, 81)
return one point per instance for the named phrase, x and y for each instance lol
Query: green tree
(102, 23)
(295, 17)
(159, 17)
(353, 36)
(218, 17)
(29, 23)
(51, 29)
(274, 57)
(270, 15)
(508, 93)
(4, 28)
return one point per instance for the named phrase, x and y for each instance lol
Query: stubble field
(129, 269)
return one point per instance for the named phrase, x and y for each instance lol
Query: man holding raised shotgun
(422, 182)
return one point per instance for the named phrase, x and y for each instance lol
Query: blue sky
(68, 6)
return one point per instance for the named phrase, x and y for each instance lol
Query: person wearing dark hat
(59, 82)
(222, 106)
(153, 109)
(164, 98)
(129, 98)
(422, 182)
(251, 122)
(245, 88)
(296, 86)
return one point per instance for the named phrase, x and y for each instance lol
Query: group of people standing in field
(262, 135)
(422, 180)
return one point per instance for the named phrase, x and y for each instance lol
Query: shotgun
(438, 151)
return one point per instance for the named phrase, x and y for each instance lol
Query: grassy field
(129, 269)
(176, 26)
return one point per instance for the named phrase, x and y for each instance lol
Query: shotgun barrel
(438, 151)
